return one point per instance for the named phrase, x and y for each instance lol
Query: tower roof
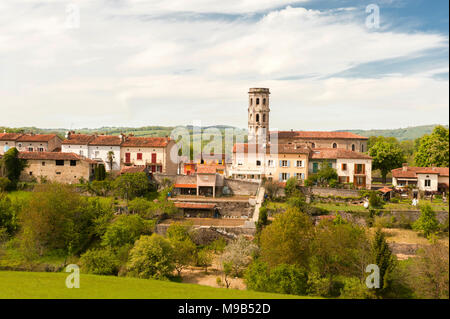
(259, 90)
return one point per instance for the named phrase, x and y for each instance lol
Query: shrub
(4, 183)
(427, 223)
(374, 200)
(151, 257)
(140, 206)
(126, 230)
(100, 262)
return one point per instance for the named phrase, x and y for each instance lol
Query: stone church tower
(258, 115)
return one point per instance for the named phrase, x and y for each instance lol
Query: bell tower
(258, 115)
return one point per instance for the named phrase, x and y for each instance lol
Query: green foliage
(13, 166)
(162, 206)
(204, 258)
(178, 231)
(280, 242)
(238, 255)
(354, 288)
(384, 259)
(386, 155)
(326, 174)
(8, 215)
(375, 201)
(433, 149)
(4, 184)
(284, 278)
(100, 262)
(151, 257)
(100, 172)
(140, 206)
(183, 252)
(131, 185)
(99, 187)
(218, 245)
(126, 230)
(427, 223)
(291, 186)
(272, 188)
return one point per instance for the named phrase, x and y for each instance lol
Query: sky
(328, 64)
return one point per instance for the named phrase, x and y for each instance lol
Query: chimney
(68, 133)
(405, 167)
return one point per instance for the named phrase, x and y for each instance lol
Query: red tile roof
(106, 140)
(133, 169)
(9, 136)
(195, 205)
(53, 156)
(185, 185)
(385, 190)
(206, 169)
(36, 137)
(411, 171)
(317, 135)
(146, 142)
(78, 139)
(337, 153)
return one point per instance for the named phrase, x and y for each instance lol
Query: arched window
(251, 116)
(334, 145)
(353, 147)
(362, 147)
(264, 118)
(313, 145)
(257, 101)
(264, 101)
(251, 101)
(257, 117)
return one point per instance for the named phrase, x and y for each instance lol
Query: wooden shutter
(363, 168)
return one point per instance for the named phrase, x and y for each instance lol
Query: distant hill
(401, 134)
(409, 133)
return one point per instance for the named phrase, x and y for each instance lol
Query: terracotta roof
(206, 169)
(385, 190)
(36, 137)
(291, 149)
(185, 185)
(195, 205)
(78, 139)
(335, 153)
(9, 136)
(317, 135)
(53, 156)
(146, 142)
(411, 171)
(106, 140)
(133, 169)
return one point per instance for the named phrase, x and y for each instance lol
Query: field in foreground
(28, 285)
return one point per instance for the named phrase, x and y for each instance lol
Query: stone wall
(239, 187)
(321, 191)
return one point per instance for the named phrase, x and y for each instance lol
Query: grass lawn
(46, 285)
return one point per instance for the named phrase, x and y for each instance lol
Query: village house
(151, 152)
(56, 167)
(30, 142)
(430, 179)
(351, 167)
(216, 160)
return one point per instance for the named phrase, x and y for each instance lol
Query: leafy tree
(204, 258)
(427, 223)
(280, 241)
(140, 206)
(433, 149)
(8, 215)
(99, 187)
(178, 231)
(131, 185)
(126, 230)
(151, 257)
(100, 172)
(429, 272)
(13, 166)
(4, 184)
(162, 205)
(183, 253)
(374, 200)
(326, 174)
(238, 254)
(272, 188)
(384, 259)
(100, 262)
(386, 156)
(291, 186)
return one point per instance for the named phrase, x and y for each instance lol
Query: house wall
(61, 174)
(421, 182)
(101, 153)
(24, 146)
(360, 145)
(291, 170)
(6, 145)
(350, 171)
(82, 150)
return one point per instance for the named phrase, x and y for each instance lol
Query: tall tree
(384, 259)
(386, 155)
(12, 166)
(433, 149)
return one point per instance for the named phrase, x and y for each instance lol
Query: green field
(29, 285)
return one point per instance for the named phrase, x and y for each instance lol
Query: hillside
(48, 285)
(401, 134)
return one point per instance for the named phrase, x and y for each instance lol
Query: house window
(360, 180)
(41, 149)
(284, 176)
(362, 147)
(257, 117)
(239, 162)
(59, 163)
(258, 163)
(359, 169)
(73, 163)
(139, 156)
(31, 173)
(334, 145)
(428, 183)
(257, 101)
(58, 173)
(344, 167)
(313, 145)
(284, 163)
(353, 147)
(299, 163)
(30, 149)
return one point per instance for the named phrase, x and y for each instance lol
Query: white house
(432, 179)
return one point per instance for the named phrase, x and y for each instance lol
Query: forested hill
(401, 134)
(409, 133)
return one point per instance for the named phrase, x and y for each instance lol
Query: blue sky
(172, 62)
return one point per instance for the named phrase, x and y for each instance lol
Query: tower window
(313, 145)
(257, 117)
(334, 145)
(251, 101)
(264, 117)
(353, 147)
(257, 101)
(362, 147)
(264, 101)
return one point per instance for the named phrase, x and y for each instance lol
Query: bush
(355, 289)
(126, 230)
(4, 184)
(395, 200)
(427, 223)
(374, 200)
(140, 206)
(151, 257)
(100, 262)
